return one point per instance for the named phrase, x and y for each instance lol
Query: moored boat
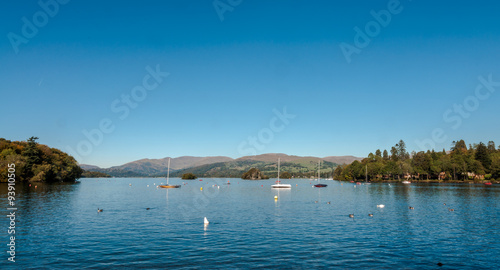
(169, 186)
(318, 185)
(278, 182)
(168, 176)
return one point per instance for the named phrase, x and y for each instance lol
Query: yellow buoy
(201, 188)
(275, 198)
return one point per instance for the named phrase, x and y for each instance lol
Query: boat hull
(320, 185)
(281, 186)
(169, 186)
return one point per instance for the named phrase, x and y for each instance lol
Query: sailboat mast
(366, 173)
(319, 166)
(278, 170)
(168, 170)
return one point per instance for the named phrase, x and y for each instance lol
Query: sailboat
(278, 183)
(168, 176)
(319, 177)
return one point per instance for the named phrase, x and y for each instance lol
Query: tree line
(36, 162)
(475, 162)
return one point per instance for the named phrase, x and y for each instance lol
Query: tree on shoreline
(37, 162)
(461, 163)
(188, 176)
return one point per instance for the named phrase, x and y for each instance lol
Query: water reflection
(61, 221)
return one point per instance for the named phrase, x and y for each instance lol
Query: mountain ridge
(158, 167)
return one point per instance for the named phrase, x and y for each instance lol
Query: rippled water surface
(58, 226)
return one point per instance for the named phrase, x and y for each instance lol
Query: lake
(58, 226)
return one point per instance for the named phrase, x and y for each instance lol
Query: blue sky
(227, 78)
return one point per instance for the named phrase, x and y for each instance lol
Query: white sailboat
(278, 184)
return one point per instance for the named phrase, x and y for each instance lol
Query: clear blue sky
(226, 76)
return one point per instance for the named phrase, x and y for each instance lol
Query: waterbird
(451, 209)
(370, 215)
(411, 207)
(147, 208)
(380, 205)
(328, 202)
(351, 215)
(439, 264)
(444, 203)
(99, 210)
(205, 221)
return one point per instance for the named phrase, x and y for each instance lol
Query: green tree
(385, 155)
(491, 146)
(33, 156)
(401, 150)
(459, 146)
(189, 176)
(483, 156)
(378, 153)
(394, 154)
(338, 173)
(285, 175)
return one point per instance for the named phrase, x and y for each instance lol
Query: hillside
(342, 159)
(299, 168)
(220, 166)
(30, 161)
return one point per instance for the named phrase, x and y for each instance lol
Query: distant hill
(342, 159)
(220, 166)
(152, 167)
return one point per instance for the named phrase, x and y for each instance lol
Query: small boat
(488, 183)
(278, 182)
(168, 176)
(169, 186)
(406, 182)
(281, 186)
(318, 185)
